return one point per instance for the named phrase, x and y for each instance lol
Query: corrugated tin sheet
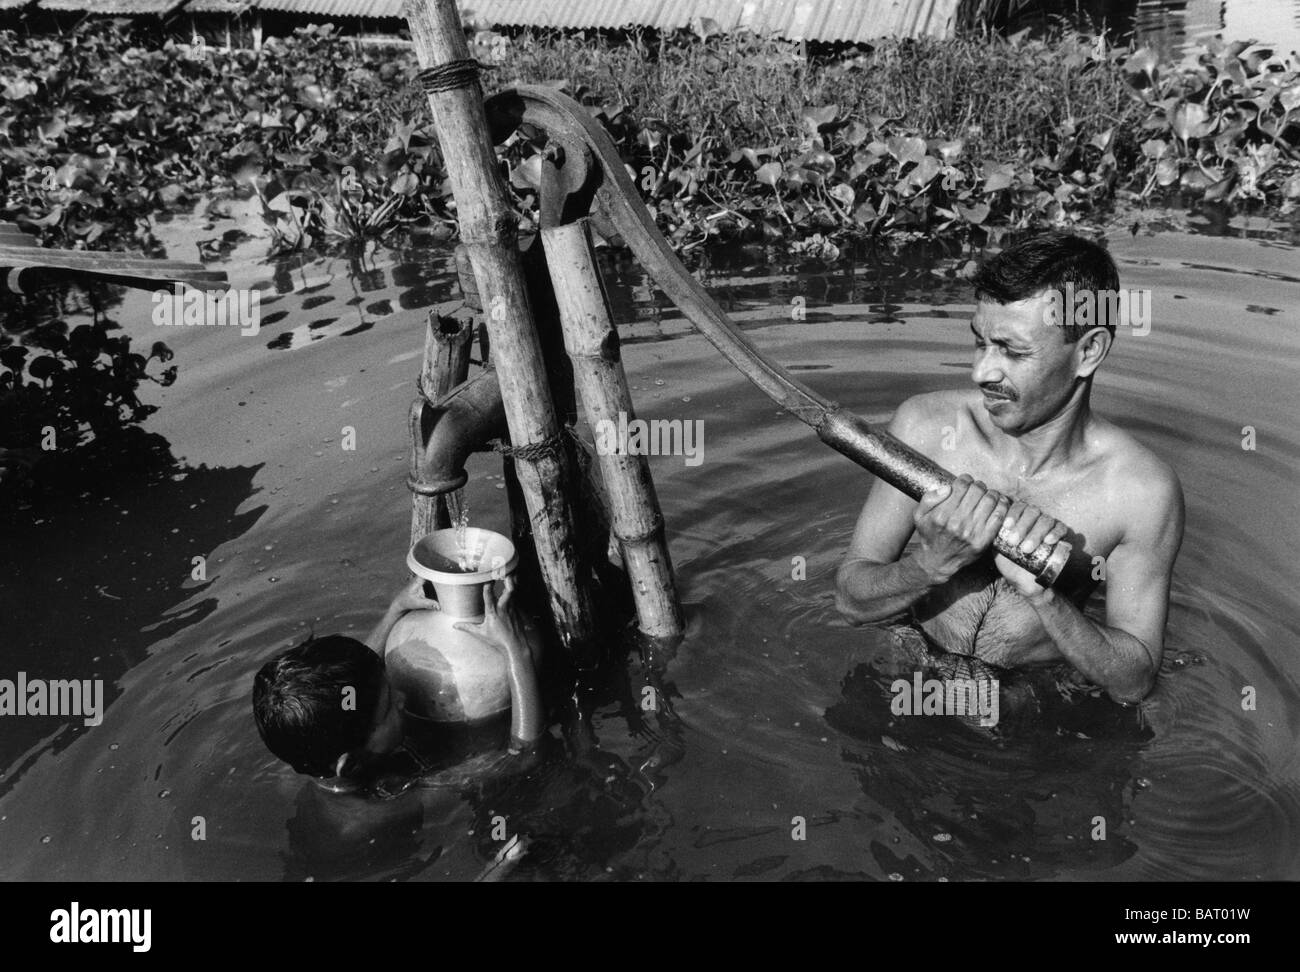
(822, 20)
(112, 6)
(337, 8)
(13, 4)
(218, 6)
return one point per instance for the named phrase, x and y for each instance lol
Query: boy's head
(325, 707)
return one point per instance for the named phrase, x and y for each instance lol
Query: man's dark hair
(298, 702)
(1048, 261)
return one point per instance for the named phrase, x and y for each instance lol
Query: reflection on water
(779, 711)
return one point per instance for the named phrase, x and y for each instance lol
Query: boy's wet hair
(299, 702)
(1048, 261)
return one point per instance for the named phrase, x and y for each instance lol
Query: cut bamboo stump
(591, 339)
(488, 228)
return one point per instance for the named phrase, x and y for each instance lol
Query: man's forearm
(867, 591)
(1106, 656)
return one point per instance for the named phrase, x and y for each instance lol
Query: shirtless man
(1027, 432)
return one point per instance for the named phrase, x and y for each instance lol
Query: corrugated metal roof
(824, 20)
(218, 6)
(337, 8)
(112, 6)
(13, 4)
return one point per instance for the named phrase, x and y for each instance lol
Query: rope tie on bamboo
(552, 445)
(462, 73)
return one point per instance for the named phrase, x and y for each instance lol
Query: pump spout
(445, 433)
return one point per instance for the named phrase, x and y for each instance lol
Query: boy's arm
(525, 699)
(409, 598)
(502, 629)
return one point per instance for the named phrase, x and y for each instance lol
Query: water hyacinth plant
(727, 136)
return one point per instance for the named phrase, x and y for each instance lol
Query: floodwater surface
(782, 710)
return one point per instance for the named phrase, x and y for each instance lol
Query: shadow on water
(87, 552)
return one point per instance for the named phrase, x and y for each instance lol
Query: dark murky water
(783, 708)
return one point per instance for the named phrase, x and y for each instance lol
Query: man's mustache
(1002, 390)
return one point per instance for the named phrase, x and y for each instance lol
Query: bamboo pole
(488, 228)
(591, 340)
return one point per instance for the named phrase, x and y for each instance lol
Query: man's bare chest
(1078, 497)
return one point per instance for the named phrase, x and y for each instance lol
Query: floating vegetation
(727, 136)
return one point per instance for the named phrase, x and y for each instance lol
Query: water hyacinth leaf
(998, 177)
(874, 150)
(813, 118)
(856, 134)
(19, 89)
(769, 173)
(798, 178)
(51, 129)
(973, 214)
(865, 213)
(1155, 148)
(925, 170)
(1102, 140)
(405, 184)
(950, 151)
(1189, 121)
(905, 150)
(1221, 188)
(313, 96)
(1197, 179)
(1140, 66)
(819, 161)
(843, 194)
(858, 168)
(1166, 171)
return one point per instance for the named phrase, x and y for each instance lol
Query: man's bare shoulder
(1138, 481)
(921, 419)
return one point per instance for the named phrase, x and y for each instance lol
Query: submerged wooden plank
(18, 251)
